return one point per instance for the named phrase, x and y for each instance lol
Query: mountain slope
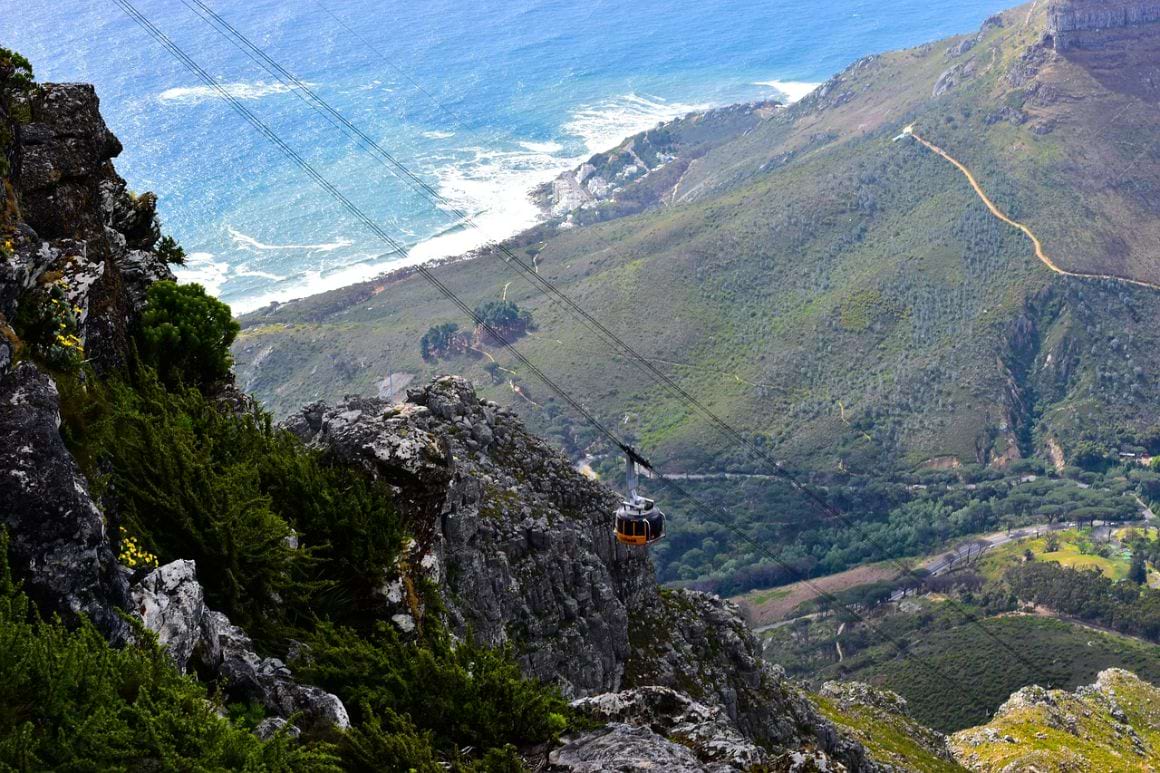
(846, 297)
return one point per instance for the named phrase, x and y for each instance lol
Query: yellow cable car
(638, 522)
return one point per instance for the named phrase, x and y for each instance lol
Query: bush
(71, 702)
(191, 480)
(437, 340)
(465, 694)
(170, 251)
(186, 334)
(48, 326)
(503, 315)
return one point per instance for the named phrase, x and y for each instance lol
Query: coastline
(463, 241)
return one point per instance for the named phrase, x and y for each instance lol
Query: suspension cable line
(398, 248)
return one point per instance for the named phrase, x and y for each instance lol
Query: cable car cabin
(639, 523)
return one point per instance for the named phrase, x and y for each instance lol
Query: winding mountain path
(998, 213)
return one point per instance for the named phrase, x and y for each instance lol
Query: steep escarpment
(1093, 23)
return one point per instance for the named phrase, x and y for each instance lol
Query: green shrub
(465, 694)
(71, 702)
(189, 479)
(15, 70)
(184, 482)
(170, 251)
(186, 334)
(437, 340)
(49, 327)
(503, 315)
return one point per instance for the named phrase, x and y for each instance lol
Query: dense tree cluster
(1088, 595)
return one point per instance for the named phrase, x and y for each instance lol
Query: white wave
(438, 135)
(364, 268)
(248, 242)
(547, 148)
(241, 90)
(491, 184)
(245, 270)
(793, 91)
(202, 268)
(605, 125)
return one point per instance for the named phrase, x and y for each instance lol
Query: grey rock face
(171, 603)
(521, 547)
(624, 748)
(1089, 23)
(58, 542)
(64, 148)
(700, 645)
(80, 220)
(704, 730)
(269, 727)
(620, 747)
(529, 538)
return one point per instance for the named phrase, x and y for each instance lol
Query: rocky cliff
(69, 222)
(1092, 23)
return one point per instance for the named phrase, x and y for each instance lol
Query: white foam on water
(438, 135)
(491, 185)
(245, 270)
(205, 270)
(793, 91)
(548, 148)
(192, 95)
(606, 124)
(244, 241)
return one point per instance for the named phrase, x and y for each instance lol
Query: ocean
(482, 100)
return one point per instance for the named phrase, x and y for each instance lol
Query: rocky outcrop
(1092, 23)
(534, 559)
(701, 646)
(1109, 725)
(171, 603)
(59, 548)
(705, 731)
(520, 546)
(605, 176)
(80, 224)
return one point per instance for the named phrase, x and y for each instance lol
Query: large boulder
(171, 603)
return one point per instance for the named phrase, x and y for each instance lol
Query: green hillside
(843, 298)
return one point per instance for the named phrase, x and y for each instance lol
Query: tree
(1052, 543)
(503, 315)
(1138, 573)
(185, 334)
(437, 340)
(170, 251)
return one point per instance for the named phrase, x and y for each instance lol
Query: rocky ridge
(1109, 725)
(79, 228)
(519, 545)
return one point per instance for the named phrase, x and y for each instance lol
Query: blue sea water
(482, 98)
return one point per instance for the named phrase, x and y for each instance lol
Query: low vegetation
(72, 702)
(977, 656)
